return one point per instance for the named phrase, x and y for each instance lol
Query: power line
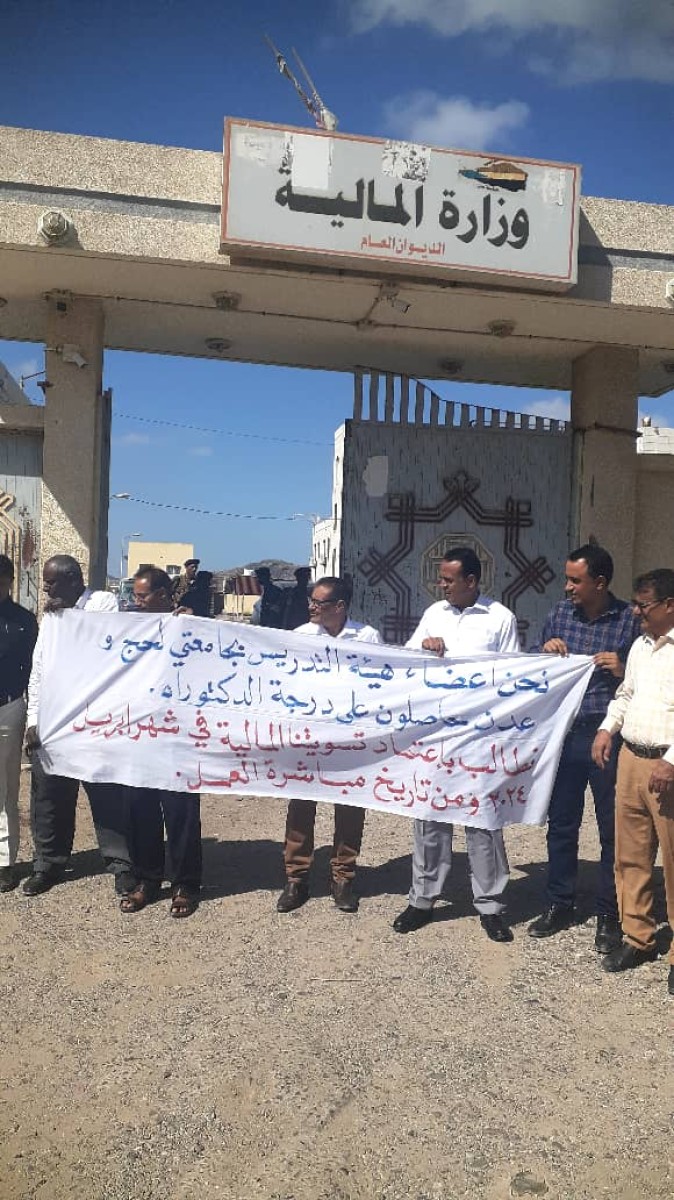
(261, 437)
(206, 512)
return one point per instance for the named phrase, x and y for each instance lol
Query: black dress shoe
(412, 919)
(42, 881)
(609, 935)
(670, 981)
(553, 920)
(294, 895)
(627, 956)
(496, 928)
(344, 896)
(8, 879)
(125, 882)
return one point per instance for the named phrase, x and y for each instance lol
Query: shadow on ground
(236, 868)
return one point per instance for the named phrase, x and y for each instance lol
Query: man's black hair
(599, 561)
(340, 589)
(156, 578)
(470, 563)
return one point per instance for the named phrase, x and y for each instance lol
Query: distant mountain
(282, 572)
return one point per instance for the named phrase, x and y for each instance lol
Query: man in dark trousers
(53, 799)
(589, 621)
(150, 809)
(18, 634)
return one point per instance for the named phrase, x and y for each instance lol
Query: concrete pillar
(76, 460)
(604, 414)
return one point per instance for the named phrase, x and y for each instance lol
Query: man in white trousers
(464, 622)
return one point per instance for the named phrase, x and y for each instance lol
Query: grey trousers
(432, 863)
(53, 801)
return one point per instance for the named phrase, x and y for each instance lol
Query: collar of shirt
(81, 603)
(663, 640)
(480, 605)
(615, 607)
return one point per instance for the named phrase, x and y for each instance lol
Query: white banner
(189, 704)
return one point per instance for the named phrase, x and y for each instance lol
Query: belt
(8, 697)
(646, 751)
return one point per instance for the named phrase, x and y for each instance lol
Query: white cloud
(556, 407)
(425, 116)
(594, 39)
(133, 439)
(29, 366)
(200, 451)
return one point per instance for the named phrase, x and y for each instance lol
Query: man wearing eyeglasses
(589, 621)
(152, 809)
(643, 712)
(328, 617)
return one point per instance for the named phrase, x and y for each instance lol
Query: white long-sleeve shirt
(90, 602)
(643, 707)
(352, 630)
(485, 627)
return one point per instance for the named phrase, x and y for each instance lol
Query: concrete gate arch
(110, 244)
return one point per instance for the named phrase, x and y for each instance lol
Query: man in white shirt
(464, 622)
(53, 799)
(643, 712)
(328, 617)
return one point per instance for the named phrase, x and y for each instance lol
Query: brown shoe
(344, 896)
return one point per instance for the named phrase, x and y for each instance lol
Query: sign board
(397, 207)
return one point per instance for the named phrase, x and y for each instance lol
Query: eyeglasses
(321, 603)
(644, 605)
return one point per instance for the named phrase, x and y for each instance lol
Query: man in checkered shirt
(589, 621)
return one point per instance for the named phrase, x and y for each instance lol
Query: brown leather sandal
(143, 893)
(183, 903)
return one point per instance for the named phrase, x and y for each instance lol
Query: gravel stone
(250, 1055)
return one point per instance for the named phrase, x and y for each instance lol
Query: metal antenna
(328, 120)
(321, 115)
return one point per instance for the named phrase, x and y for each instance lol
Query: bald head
(63, 582)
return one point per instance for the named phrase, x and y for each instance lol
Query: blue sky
(586, 81)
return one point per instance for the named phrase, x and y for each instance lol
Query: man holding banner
(328, 617)
(53, 797)
(643, 712)
(150, 809)
(464, 622)
(591, 620)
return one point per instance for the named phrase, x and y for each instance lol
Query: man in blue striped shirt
(589, 621)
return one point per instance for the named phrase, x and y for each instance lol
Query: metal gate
(416, 475)
(20, 511)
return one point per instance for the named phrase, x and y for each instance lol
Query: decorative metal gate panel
(20, 510)
(421, 475)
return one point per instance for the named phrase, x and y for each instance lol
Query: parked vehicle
(125, 596)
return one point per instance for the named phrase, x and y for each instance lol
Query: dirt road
(244, 1055)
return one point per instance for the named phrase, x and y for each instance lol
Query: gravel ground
(244, 1055)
